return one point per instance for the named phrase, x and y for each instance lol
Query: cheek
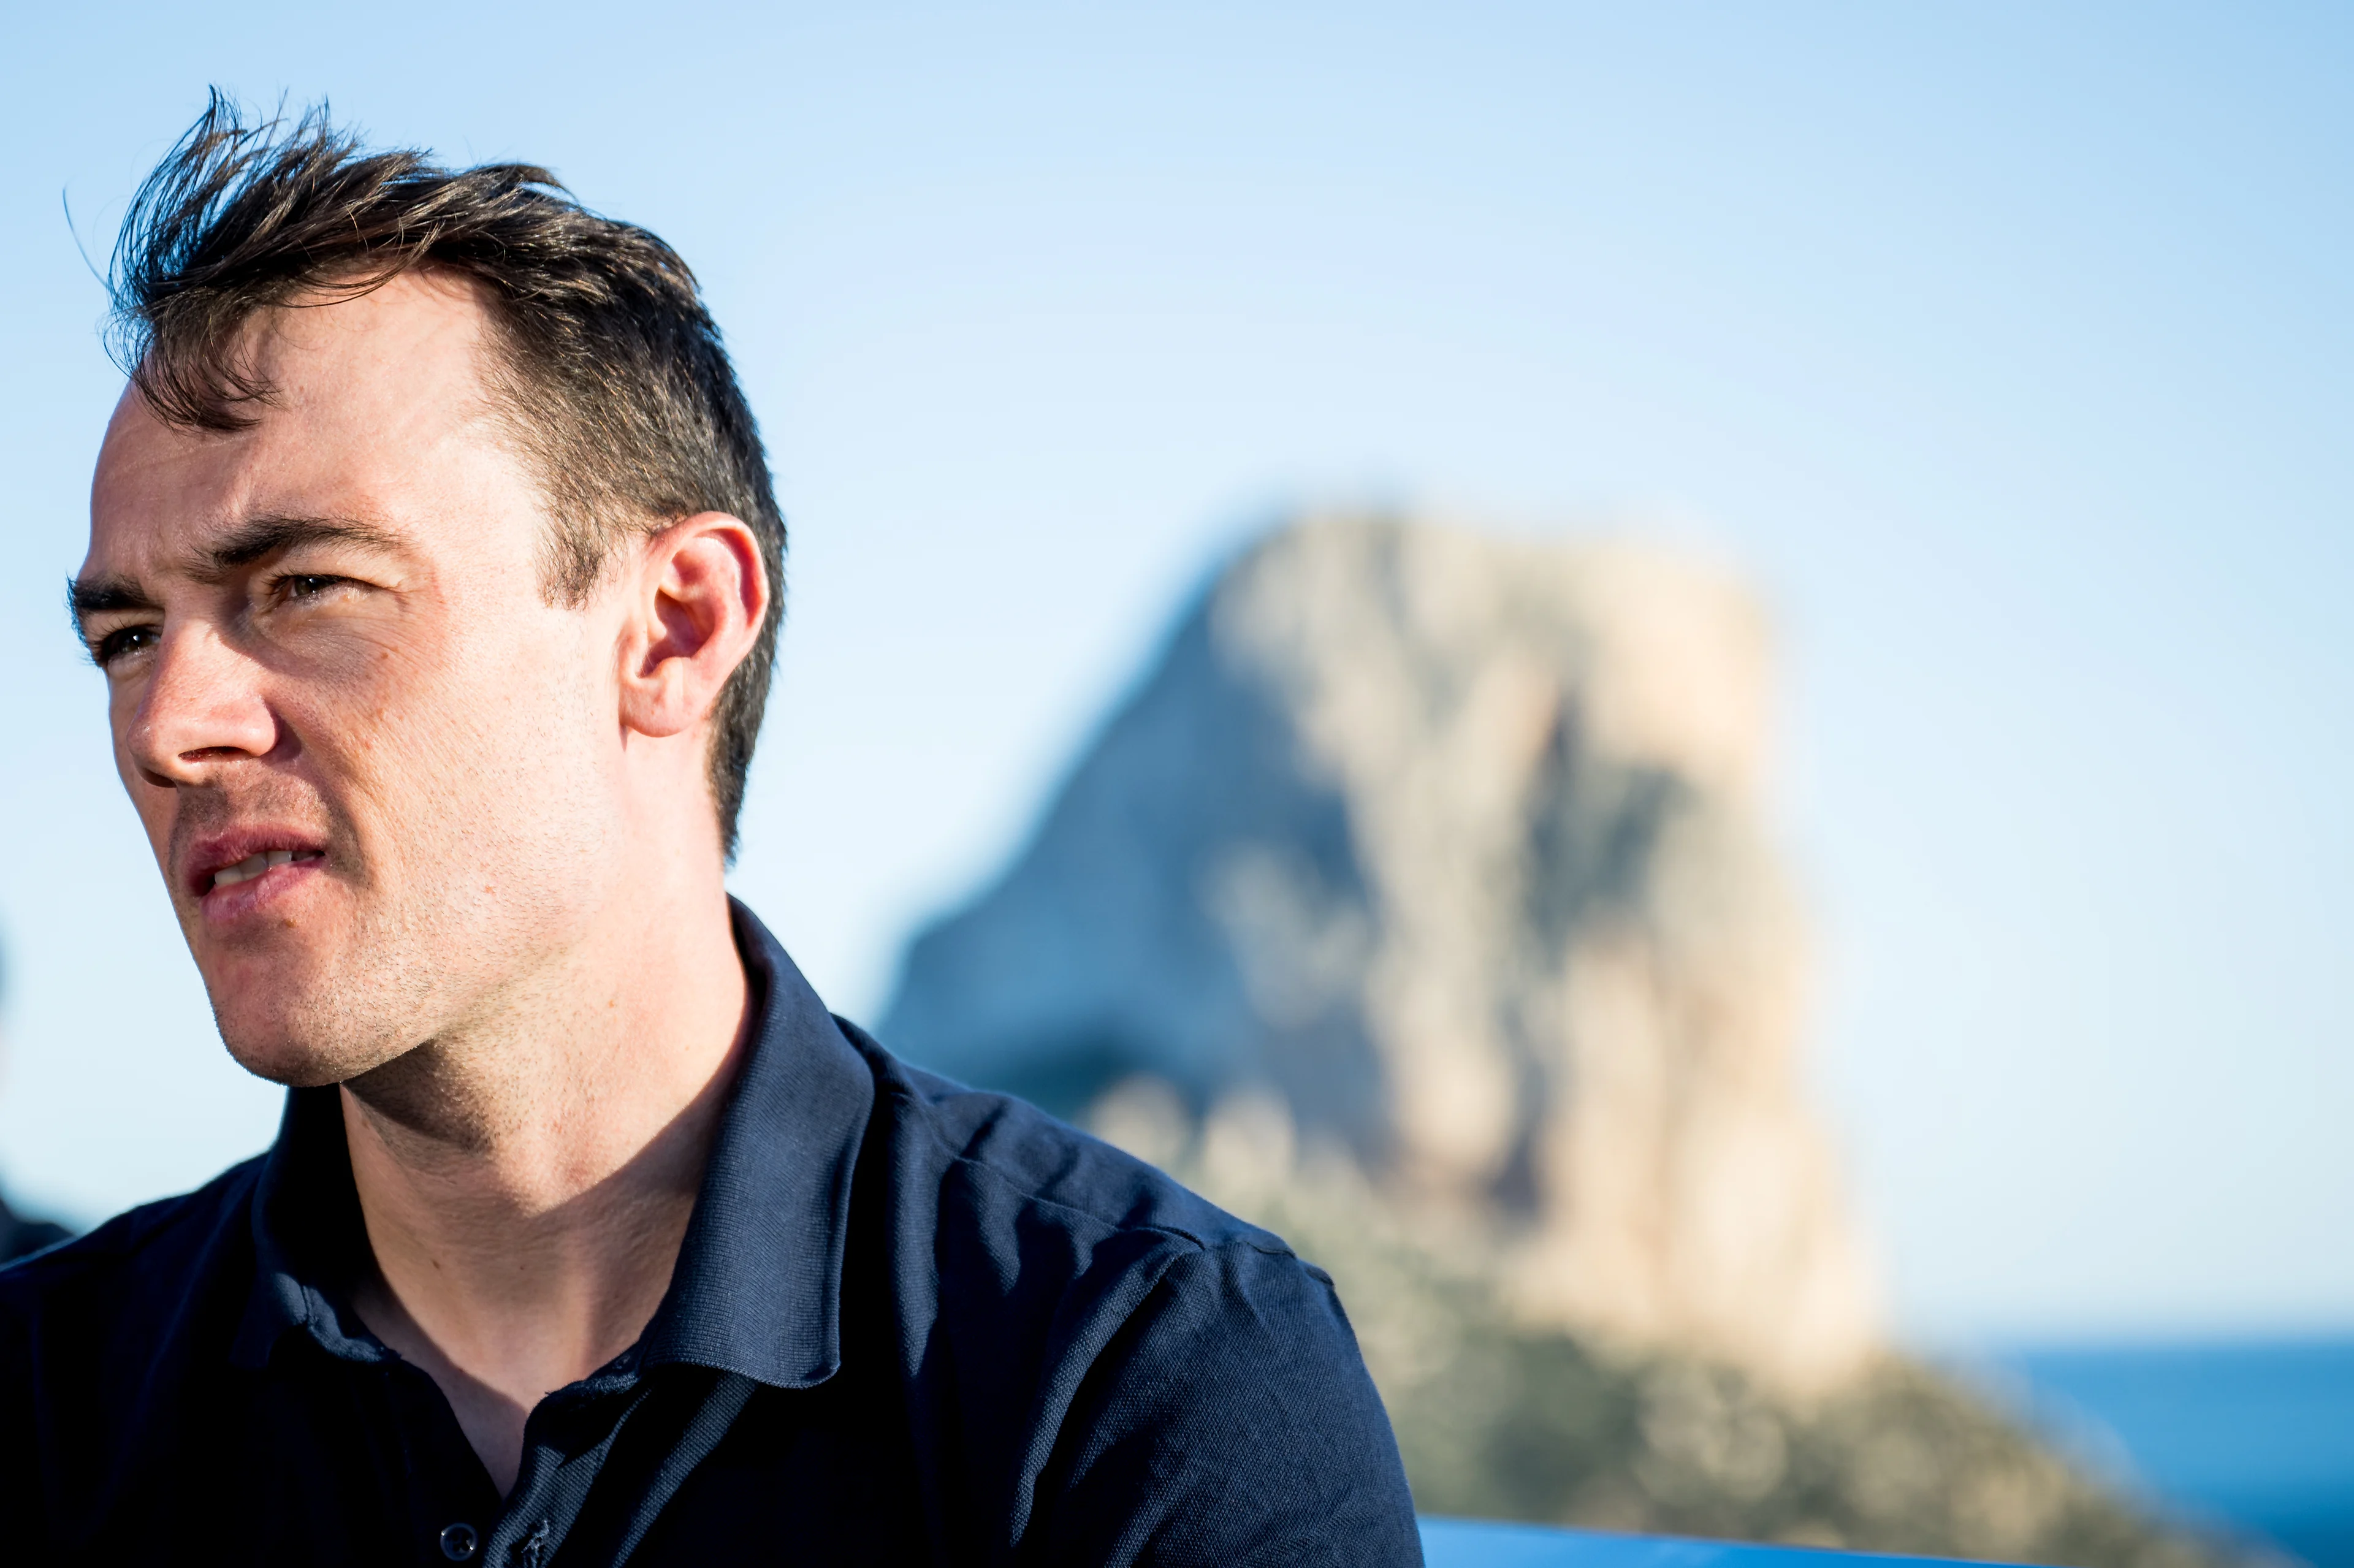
(487, 737)
(368, 707)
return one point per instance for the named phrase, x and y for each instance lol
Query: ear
(697, 602)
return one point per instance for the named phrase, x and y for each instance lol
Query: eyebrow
(264, 536)
(249, 542)
(86, 596)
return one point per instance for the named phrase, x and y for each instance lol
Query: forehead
(378, 412)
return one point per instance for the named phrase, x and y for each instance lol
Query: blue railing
(1473, 1543)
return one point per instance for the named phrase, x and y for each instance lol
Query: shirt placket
(451, 1502)
(567, 1441)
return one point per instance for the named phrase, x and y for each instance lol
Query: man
(435, 575)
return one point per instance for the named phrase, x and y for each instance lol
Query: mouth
(253, 866)
(238, 872)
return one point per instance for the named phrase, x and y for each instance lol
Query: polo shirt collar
(757, 1290)
(758, 1287)
(308, 1241)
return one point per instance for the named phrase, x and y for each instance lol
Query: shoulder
(91, 1330)
(1170, 1383)
(150, 1256)
(21, 1236)
(1022, 1166)
(999, 1227)
(1156, 1370)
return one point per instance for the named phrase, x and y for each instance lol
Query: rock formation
(1497, 1418)
(1418, 905)
(1446, 852)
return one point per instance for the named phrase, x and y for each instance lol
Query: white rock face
(1449, 846)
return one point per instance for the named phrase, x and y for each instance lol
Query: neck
(526, 1182)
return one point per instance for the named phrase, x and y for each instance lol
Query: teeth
(253, 866)
(246, 870)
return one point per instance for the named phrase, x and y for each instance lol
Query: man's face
(376, 765)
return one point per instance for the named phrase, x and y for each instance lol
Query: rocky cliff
(1441, 855)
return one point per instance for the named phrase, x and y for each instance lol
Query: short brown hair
(609, 370)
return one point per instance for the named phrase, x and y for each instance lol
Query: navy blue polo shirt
(909, 1323)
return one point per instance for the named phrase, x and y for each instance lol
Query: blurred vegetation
(1500, 1419)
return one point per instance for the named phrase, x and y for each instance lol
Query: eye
(300, 586)
(121, 642)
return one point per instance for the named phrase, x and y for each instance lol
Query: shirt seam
(1201, 1244)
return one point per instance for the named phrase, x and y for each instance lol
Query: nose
(201, 706)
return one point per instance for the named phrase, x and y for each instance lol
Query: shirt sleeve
(1229, 1422)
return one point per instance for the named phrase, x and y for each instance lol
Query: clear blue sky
(2010, 348)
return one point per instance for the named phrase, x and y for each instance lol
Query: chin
(300, 1048)
(297, 1006)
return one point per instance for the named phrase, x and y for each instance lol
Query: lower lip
(258, 894)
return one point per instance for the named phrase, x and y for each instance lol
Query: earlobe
(700, 598)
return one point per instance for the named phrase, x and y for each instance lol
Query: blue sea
(2256, 1436)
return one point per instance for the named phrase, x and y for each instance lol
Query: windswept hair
(607, 369)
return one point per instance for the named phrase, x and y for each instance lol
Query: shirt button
(458, 1541)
